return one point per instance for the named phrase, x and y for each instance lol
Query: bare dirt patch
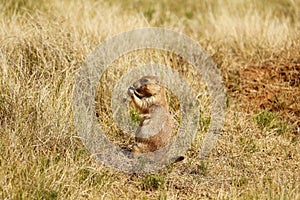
(273, 88)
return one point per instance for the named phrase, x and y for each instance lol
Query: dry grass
(256, 45)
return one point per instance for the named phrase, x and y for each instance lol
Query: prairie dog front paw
(130, 91)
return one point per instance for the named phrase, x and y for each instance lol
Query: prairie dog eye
(144, 80)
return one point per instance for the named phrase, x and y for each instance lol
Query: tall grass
(43, 44)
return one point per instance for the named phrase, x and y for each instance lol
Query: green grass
(153, 182)
(44, 43)
(270, 120)
(135, 116)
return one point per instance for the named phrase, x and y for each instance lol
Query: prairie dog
(155, 129)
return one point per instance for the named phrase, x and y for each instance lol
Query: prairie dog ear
(157, 82)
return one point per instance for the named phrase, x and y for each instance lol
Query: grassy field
(256, 46)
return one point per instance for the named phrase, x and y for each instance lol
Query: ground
(255, 45)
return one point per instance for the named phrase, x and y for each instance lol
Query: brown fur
(155, 128)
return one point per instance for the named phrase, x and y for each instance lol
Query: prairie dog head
(147, 86)
(146, 92)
